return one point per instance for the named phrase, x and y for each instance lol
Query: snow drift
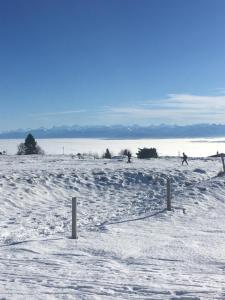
(129, 246)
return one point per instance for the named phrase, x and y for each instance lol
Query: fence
(168, 203)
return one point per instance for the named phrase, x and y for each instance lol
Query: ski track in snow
(129, 247)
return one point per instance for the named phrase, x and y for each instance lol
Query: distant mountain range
(121, 132)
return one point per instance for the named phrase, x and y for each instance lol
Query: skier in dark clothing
(184, 159)
(129, 156)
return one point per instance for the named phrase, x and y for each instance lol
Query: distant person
(129, 157)
(184, 159)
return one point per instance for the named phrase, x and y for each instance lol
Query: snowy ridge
(129, 247)
(120, 131)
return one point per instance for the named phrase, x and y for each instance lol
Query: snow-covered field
(129, 247)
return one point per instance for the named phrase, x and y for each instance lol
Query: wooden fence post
(222, 158)
(168, 194)
(74, 218)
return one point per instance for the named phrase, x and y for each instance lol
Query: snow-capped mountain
(120, 131)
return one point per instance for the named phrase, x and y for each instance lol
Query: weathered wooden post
(222, 158)
(74, 218)
(168, 194)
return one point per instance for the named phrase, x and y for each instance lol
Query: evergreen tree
(107, 154)
(147, 153)
(29, 147)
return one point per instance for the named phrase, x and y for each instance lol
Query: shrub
(29, 147)
(107, 154)
(125, 152)
(21, 149)
(147, 153)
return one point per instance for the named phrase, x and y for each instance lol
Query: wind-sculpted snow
(129, 247)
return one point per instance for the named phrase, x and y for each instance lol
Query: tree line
(30, 147)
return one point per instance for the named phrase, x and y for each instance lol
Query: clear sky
(111, 62)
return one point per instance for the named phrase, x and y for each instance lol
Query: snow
(129, 246)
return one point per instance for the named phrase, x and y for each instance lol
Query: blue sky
(111, 62)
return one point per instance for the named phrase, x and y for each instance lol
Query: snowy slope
(129, 247)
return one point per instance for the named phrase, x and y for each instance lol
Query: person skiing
(184, 159)
(128, 157)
